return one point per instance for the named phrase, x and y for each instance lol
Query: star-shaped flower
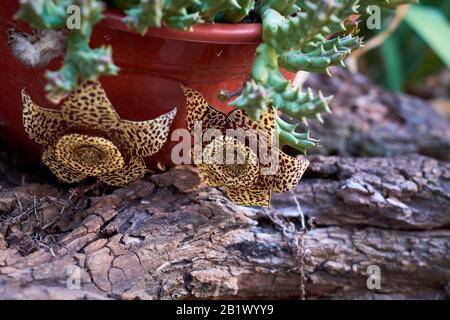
(88, 138)
(245, 183)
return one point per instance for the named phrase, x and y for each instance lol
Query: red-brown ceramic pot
(209, 58)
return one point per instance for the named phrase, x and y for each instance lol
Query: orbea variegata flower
(88, 138)
(245, 183)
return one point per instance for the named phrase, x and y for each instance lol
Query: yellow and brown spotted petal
(62, 172)
(42, 125)
(248, 197)
(209, 176)
(286, 176)
(198, 109)
(145, 138)
(89, 107)
(231, 172)
(265, 128)
(132, 170)
(91, 156)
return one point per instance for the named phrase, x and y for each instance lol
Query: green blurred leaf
(392, 64)
(434, 28)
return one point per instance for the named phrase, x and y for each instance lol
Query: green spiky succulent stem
(297, 140)
(311, 40)
(235, 15)
(81, 62)
(331, 53)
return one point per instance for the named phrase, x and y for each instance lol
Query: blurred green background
(418, 49)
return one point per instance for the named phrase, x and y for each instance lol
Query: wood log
(369, 121)
(167, 236)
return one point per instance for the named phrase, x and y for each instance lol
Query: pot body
(152, 67)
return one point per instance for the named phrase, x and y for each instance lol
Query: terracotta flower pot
(211, 57)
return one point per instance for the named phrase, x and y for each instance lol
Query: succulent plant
(297, 35)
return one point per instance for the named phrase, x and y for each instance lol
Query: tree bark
(370, 121)
(169, 237)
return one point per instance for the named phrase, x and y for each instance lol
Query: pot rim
(225, 33)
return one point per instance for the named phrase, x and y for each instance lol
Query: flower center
(88, 155)
(241, 170)
(236, 169)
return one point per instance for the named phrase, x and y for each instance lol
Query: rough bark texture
(169, 237)
(367, 121)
